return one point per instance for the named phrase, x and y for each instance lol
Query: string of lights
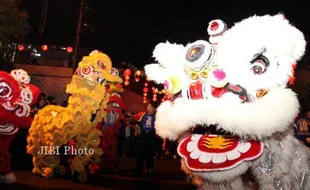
(143, 27)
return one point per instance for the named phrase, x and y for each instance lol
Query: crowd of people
(129, 137)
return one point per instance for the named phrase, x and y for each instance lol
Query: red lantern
(154, 99)
(138, 73)
(137, 79)
(145, 89)
(146, 84)
(44, 47)
(126, 83)
(144, 97)
(144, 94)
(127, 77)
(20, 48)
(127, 72)
(144, 101)
(69, 49)
(154, 95)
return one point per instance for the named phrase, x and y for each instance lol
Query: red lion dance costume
(111, 126)
(16, 98)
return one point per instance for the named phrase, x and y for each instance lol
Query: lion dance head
(17, 96)
(234, 89)
(93, 75)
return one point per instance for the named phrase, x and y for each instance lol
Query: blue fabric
(302, 129)
(148, 122)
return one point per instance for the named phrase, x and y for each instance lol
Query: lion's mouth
(208, 148)
(211, 129)
(113, 113)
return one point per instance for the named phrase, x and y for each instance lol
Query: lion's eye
(101, 64)
(259, 65)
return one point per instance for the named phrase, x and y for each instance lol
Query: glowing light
(154, 95)
(145, 89)
(144, 101)
(126, 83)
(137, 79)
(146, 84)
(154, 99)
(144, 97)
(127, 77)
(69, 49)
(144, 94)
(138, 73)
(127, 72)
(44, 47)
(20, 48)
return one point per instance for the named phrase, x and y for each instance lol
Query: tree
(13, 27)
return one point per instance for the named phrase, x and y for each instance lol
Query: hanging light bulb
(20, 48)
(127, 72)
(138, 73)
(69, 49)
(44, 47)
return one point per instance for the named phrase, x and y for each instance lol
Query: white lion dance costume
(236, 90)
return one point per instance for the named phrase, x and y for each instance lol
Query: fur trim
(271, 36)
(273, 113)
(169, 58)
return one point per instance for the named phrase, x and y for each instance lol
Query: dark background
(129, 30)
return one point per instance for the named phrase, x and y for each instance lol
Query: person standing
(148, 141)
(302, 129)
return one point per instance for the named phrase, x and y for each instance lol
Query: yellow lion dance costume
(55, 126)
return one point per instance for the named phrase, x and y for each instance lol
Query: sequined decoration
(299, 158)
(278, 185)
(267, 165)
(303, 179)
(279, 138)
(280, 144)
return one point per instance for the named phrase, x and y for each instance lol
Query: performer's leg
(151, 151)
(5, 159)
(141, 155)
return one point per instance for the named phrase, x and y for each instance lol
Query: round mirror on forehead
(114, 72)
(198, 54)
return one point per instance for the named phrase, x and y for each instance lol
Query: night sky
(129, 30)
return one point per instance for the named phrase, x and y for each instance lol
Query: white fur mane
(273, 113)
(169, 63)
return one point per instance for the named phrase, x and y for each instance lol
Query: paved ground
(167, 175)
